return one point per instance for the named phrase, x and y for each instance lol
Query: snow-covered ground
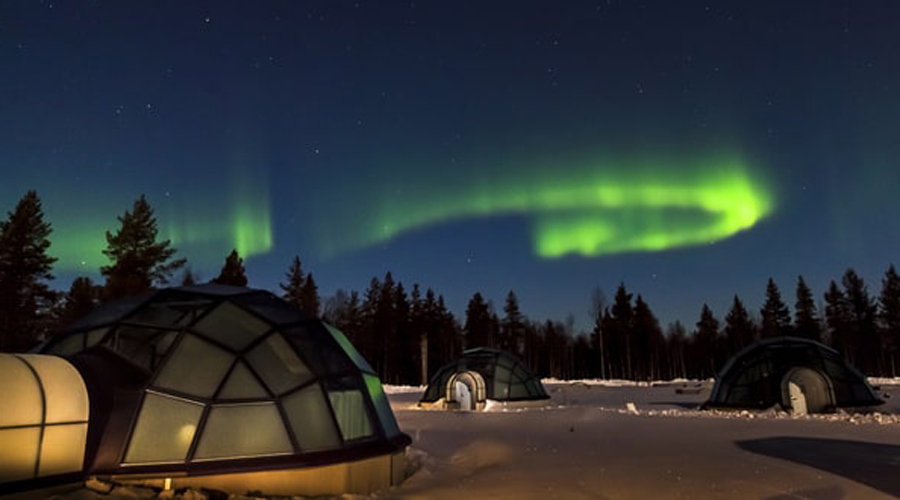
(587, 444)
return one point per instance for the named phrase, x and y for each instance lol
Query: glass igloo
(210, 380)
(481, 375)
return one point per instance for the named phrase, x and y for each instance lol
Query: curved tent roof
(43, 417)
(753, 377)
(506, 376)
(215, 378)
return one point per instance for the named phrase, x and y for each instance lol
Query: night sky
(689, 149)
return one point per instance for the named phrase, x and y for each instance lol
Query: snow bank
(403, 389)
(884, 380)
(772, 413)
(627, 383)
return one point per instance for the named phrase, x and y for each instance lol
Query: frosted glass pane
(95, 336)
(325, 355)
(70, 344)
(382, 405)
(143, 346)
(518, 391)
(231, 325)
(351, 351)
(63, 449)
(501, 389)
(235, 431)
(164, 430)
(350, 410)
(278, 365)
(19, 453)
(196, 367)
(157, 314)
(20, 394)
(242, 384)
(311, 419)
(64, 391)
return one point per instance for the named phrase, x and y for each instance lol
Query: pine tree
(806, 320)
(188, 277)
(25, 297)
(775, 317)
(739, 330)
(647, 341)
(81, 299)
(837, 318)
(293, 289)
(512, 325)
(676, 347)
(138, 261)
(889, 318)
(478, 323)
(620, 335)
(861, 327)
(310, 292)
(706, 339)
(233, 272)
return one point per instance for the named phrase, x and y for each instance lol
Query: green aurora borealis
(591, 211)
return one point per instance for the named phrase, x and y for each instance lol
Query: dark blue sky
(423, 138)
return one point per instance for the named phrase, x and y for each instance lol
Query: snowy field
(587, 444)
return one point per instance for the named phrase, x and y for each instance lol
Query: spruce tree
(889, 318)
(138, 261)
(806, 320)
(232, 272)
(620, 338)
(861, 327)
(739, 331)
(706, 339)
(512, 325)
(81, 299)
(293, 289)
(837, 318)
(310, 292)
(478, 323)
(25, 297)
(647, 341)
(775, 319)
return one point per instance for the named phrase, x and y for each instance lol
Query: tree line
(407, 334)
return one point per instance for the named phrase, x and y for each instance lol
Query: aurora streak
(615, 211)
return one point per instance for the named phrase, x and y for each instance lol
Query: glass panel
(311, 419)
(164, 430)
(63, 449)
(520, 374)
(20, 394)
(324, 355)
(242, 384)
(158, 314)
(382, 406)
(278, 365)
(348, 348)
(272, 308)
(518, 391)
(68, 345)
(64, 392)
(196, 367)
(95, 336)
(349, 409)
(111, 311)
(231, 325)
(19, 453)
(143, 346)
(501, 389)
(236, 431)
